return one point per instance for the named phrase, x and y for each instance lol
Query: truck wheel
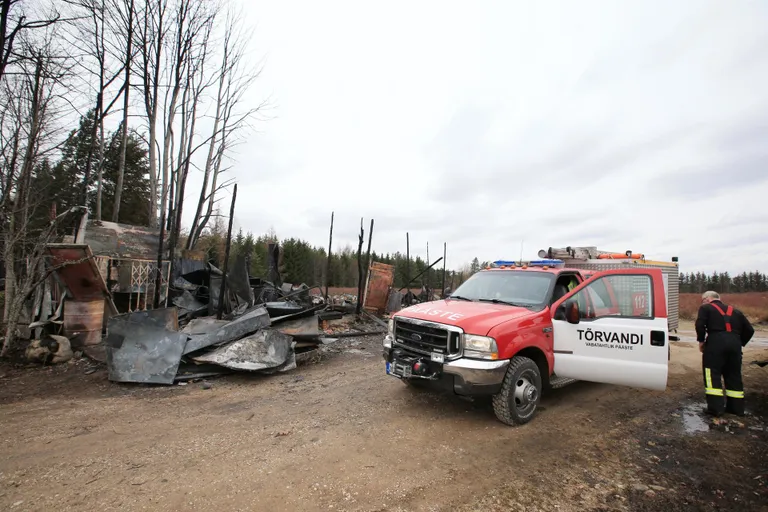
(520, 392)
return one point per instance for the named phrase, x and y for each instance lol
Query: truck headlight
(390, 337)
(480, 347)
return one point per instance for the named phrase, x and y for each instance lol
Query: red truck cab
(514, 331)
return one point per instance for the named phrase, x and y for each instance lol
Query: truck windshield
(517, 288)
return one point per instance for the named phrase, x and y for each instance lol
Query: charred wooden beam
(226, 254)
(328, 264)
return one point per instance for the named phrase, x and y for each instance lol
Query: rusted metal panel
(83, 322)
(77, 270)
(380, 279)
(301, 328)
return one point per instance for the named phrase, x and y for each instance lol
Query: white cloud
(636, 127)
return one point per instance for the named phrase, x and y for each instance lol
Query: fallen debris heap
(190, 320)
(149, 347)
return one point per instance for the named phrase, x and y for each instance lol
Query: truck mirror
(572, 313)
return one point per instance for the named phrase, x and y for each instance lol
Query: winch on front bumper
(463, 376)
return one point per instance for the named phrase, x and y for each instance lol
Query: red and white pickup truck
(517, 329)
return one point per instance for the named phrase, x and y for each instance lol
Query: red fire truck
(517, 329)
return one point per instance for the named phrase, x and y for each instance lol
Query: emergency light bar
(535, 263)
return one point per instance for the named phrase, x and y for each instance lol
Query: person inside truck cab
(563, 286)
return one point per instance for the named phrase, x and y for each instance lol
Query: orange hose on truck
(619, 256)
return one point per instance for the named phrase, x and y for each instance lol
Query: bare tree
(151, 39)
(32, 98)
(234, 81)
(16, 18)
(192, 25)
(14, 26)
(197, 82)
(93, 23)
(129, 6)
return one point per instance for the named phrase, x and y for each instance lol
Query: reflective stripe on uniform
(709, 389)
(734, 394)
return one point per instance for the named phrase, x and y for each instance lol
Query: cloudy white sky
(484, 124)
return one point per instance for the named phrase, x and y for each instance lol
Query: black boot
(735, 406)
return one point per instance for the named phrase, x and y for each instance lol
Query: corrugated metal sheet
(380, 279)
(142, 350)
(267, 349)
(247, 324)
(671, 270)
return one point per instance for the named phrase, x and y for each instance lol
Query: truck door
(612, 329)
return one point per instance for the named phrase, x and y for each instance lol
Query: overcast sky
(484, 124)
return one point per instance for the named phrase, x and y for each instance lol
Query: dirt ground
(338, 434)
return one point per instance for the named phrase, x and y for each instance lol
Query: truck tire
(520, 393)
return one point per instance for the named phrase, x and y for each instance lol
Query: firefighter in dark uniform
(722, 331)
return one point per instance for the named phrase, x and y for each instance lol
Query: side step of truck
(560, 382)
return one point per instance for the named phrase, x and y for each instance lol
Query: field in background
(753, 304)
(336, 290)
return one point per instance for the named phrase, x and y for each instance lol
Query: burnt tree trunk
(360, 272)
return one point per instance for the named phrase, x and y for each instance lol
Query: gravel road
(338, 434)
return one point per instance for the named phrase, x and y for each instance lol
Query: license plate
(438, 357)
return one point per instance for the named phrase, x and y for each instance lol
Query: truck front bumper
(468, 377)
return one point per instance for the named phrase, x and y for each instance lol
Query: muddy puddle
(693, 419)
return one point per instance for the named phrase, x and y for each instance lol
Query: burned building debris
(202, 321)
(267, 326)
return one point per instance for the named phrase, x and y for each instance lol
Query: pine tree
(134, 200)
(714, 282)
(725, 282)
(63, 185)
(45, 187)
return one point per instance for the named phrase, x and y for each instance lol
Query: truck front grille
(426, 339)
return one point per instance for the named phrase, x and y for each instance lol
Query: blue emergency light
(547, 262)
(535, 263)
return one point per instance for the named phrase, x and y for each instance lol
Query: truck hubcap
(526, 393)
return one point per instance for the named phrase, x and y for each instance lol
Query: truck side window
(617, 295)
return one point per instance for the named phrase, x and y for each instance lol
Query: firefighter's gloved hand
(701, 348)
